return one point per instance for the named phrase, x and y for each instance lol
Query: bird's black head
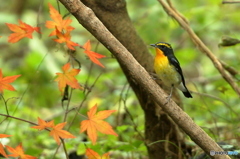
(165, 47)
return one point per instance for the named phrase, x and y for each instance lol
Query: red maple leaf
(65, 38)
(20, 31)
(18, 152)
(58, 23)
(92, 55)
(67, 78)
(4, 82)
(95, 123)
(94, 155)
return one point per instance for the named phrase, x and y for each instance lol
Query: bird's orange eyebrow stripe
(164, 44)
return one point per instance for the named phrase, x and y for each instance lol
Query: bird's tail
(185, 91)
(187, 94)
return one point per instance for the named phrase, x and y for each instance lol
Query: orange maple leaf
(58, 23)
(94, 155)
(4, 82)
(95, 123)
(18, 152)
(55, 130)
(42, 124)
(65, 38)
(58, 133)
(92, 55)
(67, 78)
(2, 151)
(20, 31)
(4, 135)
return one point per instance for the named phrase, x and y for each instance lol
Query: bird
(168, 69)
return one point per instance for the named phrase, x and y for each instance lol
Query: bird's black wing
(173, 61)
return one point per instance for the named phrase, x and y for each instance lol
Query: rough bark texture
(158, 126)
(148, 91)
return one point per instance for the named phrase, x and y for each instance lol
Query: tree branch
(87, 18)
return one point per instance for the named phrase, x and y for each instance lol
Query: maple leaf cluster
(61, 29)
(58, 23)
(92, 125)
(56, 130)
(15, 152)
(94, 122)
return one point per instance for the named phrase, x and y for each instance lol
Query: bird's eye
(162, 46)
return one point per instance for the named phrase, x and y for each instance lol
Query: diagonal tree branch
(171, 11)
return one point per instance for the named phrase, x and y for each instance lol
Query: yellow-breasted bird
(168, 69)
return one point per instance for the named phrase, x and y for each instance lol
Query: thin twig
(177, 12)
(68, 104)
(9, 116)
(120, 103)
(85, 98)
(90, 70)
(230, 69)
(124, 99)
(38, 16)
(84, 91)
(230, 2)
(65, 149)
(220, 100)
(5, 104)
(64, 119)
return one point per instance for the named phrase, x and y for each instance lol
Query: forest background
(215, 106)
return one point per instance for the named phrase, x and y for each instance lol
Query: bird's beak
(153, 45)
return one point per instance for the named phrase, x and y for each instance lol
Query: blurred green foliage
(215, 107)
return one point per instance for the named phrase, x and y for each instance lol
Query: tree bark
(147, 91)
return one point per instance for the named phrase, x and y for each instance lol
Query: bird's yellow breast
(165, 71)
